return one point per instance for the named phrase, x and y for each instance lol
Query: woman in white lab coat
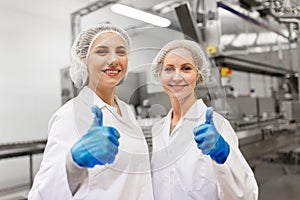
(95, 147)
(195, 150)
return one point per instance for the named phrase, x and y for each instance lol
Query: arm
(76, 174)
(97, 147)
(51, 180)
(235, 178)
(62, 177)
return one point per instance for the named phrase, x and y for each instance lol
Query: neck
(180, 107)
(107, 95)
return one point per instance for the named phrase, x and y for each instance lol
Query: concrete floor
(15, 193)
(281, 188)
(278, 181)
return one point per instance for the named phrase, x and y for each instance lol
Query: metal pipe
(291, 20)
(298, 49)
(250, 19)
(31, 169)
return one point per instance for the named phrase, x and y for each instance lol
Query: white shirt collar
(91, 98)
(195, 111)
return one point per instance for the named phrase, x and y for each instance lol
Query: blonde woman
(195, 150)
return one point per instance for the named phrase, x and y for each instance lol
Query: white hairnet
(81, 49)
(200, 58)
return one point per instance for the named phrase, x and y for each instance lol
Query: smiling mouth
(178, 86)
(111, 71)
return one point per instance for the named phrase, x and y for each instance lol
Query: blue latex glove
(98, 146)
(209, 139)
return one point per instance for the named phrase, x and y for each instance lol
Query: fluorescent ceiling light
(140, 15)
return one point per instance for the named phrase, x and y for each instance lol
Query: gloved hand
(98, 146)
(209, 139)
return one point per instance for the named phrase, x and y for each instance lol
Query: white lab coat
(181, 171)
(129, 177)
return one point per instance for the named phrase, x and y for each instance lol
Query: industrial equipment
(257, 41)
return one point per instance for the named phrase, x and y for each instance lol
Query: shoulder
(126, 108)
(123, 104)
(69, 122)
(158, 124)
(63, 119)
(62, 112)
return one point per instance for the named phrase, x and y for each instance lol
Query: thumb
(209, 115)
(98, 116)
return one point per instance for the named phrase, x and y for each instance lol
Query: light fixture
(140, 15)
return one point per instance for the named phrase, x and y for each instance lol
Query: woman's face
(107, 61)
(179, 75)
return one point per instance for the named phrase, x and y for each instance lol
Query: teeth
(177, 85)
(111, 71)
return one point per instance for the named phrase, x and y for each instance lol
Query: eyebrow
(188, 63)
(101, 47)
(121, 47)
(168, 64)
(171, 64)
(106, 47)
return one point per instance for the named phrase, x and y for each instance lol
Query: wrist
(75, 158)
(221, 151)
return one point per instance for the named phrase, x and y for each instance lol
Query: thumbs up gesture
(98, 146)
(209, 139)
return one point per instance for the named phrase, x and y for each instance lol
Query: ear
(200, 78)
(83, 61)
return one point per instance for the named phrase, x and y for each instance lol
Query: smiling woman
(107, 62)
(179, 74)
(95, 147)
(195, 150)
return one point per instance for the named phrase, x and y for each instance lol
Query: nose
(113, 59)
(177, 76)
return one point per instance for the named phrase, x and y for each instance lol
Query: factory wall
(33, 49)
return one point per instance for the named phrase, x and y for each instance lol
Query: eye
(101, 52)
(121, 52)
(168, 69)
(186, 68)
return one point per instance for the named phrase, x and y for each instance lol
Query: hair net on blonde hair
(200, 58)
(81, 48)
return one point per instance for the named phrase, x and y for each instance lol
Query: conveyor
(23, 149)
(266, 143)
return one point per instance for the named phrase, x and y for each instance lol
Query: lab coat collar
(195, 111)
(91, 98)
